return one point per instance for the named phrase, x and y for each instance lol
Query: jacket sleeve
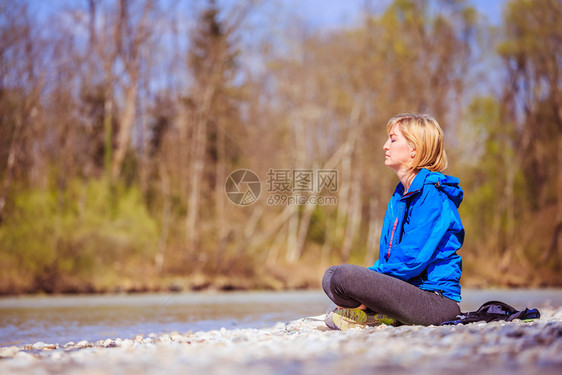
(422, 234)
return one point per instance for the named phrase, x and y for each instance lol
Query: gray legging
(350, 286)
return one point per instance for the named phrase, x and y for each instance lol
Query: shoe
(344, 319)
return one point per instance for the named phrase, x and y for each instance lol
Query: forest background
(121, 122)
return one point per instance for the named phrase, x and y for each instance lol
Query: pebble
(38, 345)
(9, 351)
(82, 344)
(176, 337)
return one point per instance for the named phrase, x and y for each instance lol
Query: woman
(416, 278)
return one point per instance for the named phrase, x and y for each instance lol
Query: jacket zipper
(394, 226)
(391, 238)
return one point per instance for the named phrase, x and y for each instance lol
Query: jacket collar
(416, 185)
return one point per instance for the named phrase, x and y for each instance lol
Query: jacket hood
(447, 184)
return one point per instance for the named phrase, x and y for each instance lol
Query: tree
(130, 39)
(212, 61)
(533, 59)
(20, 88)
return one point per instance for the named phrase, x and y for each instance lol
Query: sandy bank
(307, 347)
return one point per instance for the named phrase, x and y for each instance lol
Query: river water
(61, 319)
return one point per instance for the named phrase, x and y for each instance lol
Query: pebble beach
(306, 346)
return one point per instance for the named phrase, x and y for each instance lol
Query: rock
(312, 323)
(83, 344)
(176, 337)
(9, 351)
(42, 346)
(69, 345)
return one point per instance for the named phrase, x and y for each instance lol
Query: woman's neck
(406, 177)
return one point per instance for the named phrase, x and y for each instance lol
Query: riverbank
(307, 346)
(306, 275)
(25, 320)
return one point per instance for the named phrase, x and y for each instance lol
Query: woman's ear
(412, 148)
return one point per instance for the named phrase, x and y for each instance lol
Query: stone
(83, 344)
(42, 346)
(9, 351)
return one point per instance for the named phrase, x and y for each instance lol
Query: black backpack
(493, 311)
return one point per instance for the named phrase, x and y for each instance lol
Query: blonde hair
(425, 135)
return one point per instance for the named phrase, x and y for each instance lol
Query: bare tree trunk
(132, 67)
(251, 225)
(185, 151)
(354, 216)
(291, 254)
(220, 224)
(108, 58)
(303, 229)
(199, 144)
(339, 158)
(374, 232)
(166, 217)
(199, 147)
(347, 216)
(108, 134)
(326, 247)
(125, 126)
(143, 140)
(555, 245)
(275, 247)
(344, 196)
(9, 168)
(298, 224)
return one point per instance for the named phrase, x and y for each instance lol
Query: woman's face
(397, 150)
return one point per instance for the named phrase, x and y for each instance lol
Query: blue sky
(333, 13)
(271, 18)
(322, 13)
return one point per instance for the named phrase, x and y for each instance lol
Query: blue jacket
(421, 234)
